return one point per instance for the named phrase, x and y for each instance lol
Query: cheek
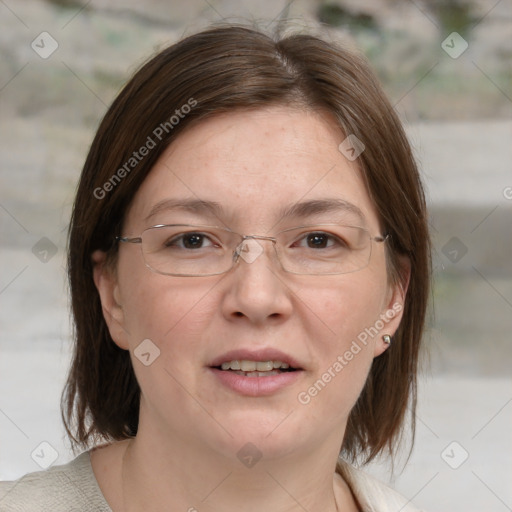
(348, 311)
(347, 307)
(174, 316)
(167, 310)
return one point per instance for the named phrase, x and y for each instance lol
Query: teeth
(247, 366)
(264, 366)
(257, 374)
(255, 366)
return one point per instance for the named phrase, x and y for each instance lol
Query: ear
(105, 280)
(393, 310)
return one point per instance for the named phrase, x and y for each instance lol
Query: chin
(271, 434)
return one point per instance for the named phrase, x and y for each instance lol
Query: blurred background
(447, 68)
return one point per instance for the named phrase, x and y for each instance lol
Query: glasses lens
(184, 250)
(188, 250)
(324, 249)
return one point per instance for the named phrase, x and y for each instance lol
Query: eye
(192, 240)
(319, 240)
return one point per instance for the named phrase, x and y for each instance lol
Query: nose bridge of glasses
(249, 248)
(259, 237)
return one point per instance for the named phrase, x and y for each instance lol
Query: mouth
(247, 368)
(254, 373)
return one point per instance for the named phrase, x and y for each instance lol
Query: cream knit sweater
(73, 488)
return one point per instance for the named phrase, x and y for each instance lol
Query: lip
(265, 354)
(256, 386)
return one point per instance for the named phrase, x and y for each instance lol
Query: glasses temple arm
(137, 240)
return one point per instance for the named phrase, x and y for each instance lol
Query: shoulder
(70, 487)
(373, 495)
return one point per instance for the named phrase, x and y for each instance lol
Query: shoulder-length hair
(216, 71)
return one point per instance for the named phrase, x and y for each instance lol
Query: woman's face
(253, 165)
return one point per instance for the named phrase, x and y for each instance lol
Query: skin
(191, 426)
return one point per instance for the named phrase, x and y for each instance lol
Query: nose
(255, 287)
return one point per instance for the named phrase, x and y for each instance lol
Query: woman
(249, 268)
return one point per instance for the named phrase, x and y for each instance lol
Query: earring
(387, 339)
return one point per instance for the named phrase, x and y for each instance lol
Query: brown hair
(219, 70)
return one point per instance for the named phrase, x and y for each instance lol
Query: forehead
(252, 168)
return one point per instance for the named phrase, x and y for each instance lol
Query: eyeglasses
(190, 250)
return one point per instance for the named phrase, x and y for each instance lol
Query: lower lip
(256, 386)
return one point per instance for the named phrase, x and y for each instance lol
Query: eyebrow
(317, 206)
(191, 205)
(302, 209)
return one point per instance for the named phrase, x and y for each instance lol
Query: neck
(163, 474)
